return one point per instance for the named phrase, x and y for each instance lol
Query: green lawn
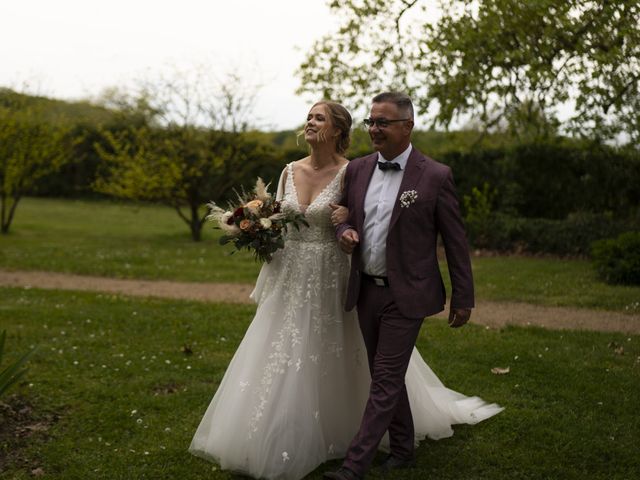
(550, 282)
(129, 241)
(117, 240)
(129, 399)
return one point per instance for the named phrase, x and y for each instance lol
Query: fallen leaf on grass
(31, 429)
(25, 410)
(37, 427)
(167, 389)
(500, 370)
(617, 348)
(37, 472)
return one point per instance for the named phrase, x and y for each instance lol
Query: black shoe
(395, 463)
(342, 474)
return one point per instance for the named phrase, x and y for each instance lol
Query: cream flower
(265, 223)
(232, 229)
(408, 198)
(224, 218)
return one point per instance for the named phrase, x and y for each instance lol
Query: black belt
(379, 281)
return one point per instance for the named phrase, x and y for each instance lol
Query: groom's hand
(459, 316)
(348, 240)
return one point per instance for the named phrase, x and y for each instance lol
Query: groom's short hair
(401, 100)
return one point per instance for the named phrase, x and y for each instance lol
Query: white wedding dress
(294, 392)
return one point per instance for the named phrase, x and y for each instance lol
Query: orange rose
(245, 224)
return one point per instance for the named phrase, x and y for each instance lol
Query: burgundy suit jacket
(412, 264)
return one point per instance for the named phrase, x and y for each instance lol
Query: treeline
(554, 195)
(88, 126)
(183, 152)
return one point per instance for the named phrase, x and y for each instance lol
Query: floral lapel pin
(407, 198)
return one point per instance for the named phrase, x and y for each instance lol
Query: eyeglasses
(381, 122)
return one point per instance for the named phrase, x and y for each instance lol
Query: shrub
(551, 179)
(617, 260)
(478, 214)
(571, 236)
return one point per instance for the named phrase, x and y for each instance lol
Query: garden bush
(617, 260)
(551, 180)
(571, 236)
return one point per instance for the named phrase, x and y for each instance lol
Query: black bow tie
(389, 166)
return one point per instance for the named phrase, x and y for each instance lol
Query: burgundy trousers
(389, 338)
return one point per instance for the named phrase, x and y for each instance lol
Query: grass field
(128, 399)
(116, 240)
(151, 242)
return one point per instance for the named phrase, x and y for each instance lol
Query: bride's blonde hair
(341, 120)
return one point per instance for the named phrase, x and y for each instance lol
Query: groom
(399, 201)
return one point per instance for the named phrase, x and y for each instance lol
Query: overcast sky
(75, 48)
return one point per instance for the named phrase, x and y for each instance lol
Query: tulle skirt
(294, 393)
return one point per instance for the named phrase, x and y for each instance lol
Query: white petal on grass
(500, 370)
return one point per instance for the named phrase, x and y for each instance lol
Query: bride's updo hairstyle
(341, 120)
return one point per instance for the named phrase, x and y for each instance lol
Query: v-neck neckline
(295, 189)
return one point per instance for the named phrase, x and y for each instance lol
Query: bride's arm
(339, 215)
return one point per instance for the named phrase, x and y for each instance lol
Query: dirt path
(492, 314)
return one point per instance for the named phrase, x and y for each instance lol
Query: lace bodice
(318, 213)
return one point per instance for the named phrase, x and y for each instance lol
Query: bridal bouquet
(257, 223)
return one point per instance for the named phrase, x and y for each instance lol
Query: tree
(30, 148)
(187, 146)
(489, 60)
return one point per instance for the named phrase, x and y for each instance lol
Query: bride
(295, 390)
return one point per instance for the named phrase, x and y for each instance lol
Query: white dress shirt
(378, 206)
